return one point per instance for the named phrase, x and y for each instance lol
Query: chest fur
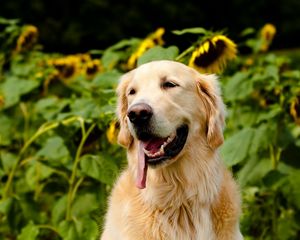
(187, 221)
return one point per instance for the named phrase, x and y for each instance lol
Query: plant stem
(42, 129)
(26, 120)
(185, 52)
(274, 217)
(275, 153)
(76, 186)
(72, 186)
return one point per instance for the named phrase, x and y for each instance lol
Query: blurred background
(77, 26)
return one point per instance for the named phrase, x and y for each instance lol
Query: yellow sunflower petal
(149, 42)
(112, 132)
(27, 38)
(206, 46)
(213, 55)
(268, 31)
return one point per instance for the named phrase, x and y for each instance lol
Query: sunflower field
(58, 152)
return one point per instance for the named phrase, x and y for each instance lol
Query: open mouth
(155, 150)
(158, 150)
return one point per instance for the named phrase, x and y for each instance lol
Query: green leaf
(247, 31)
(59, 210)
(54, 151)
(13, 88)
(238, 87)
(99, 167)
(70, 230)
(29, 232)
(124, 44)
(273, 72)
(287, 225)
(285, 137)
(6, 130)
(106, 80)
(197, 30)
(8, 160)
(235, 148)
(274, 178)
(158, 53)
(78, 229)
(29, 207)
(254, 169)
(86, 108)
(294, 181)
(5, 21)
(291, 74)
(37, 172)
(80, 208)
(50, 107)
(110, 59)
(271, 113)
(5, 205)
(118, 52)
(263, 137)
(241, 116)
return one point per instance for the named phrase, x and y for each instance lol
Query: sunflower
(212, 55)
(112, 132)
(92, 67)
(83, 58)
(295, 110)
(27, 38)
(149, 42)
(157, 36)
(67, 66)
(267, 34)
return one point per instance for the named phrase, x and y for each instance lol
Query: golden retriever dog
(175, 186)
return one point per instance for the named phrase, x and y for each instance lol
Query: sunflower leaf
(99, 167)
(197, 30)
(29, 232)
(159, 53)
(236, 150)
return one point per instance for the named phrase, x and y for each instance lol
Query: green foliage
(261, 144)
(158, 53)
(58, 161)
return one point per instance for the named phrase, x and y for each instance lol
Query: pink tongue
(142, 167)
(152, 146)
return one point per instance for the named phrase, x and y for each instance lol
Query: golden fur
(192, 196)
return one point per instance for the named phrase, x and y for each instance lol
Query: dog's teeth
(157, 154)
(161, 150)
(147, 152)
(171, 138)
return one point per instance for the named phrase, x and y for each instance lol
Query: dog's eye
(132, 91)
(169, 84)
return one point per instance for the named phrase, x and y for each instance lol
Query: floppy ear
(209, 91)
(124, 137)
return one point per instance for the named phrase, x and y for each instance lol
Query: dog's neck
(188, 179)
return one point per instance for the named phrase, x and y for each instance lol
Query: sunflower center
(92, 70)
(214, 52)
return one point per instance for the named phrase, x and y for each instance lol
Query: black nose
(140, 113)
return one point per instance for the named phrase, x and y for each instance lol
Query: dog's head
(162, 105)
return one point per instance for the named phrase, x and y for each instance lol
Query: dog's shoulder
(226, 208)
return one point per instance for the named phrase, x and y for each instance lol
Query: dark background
(79, 25)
